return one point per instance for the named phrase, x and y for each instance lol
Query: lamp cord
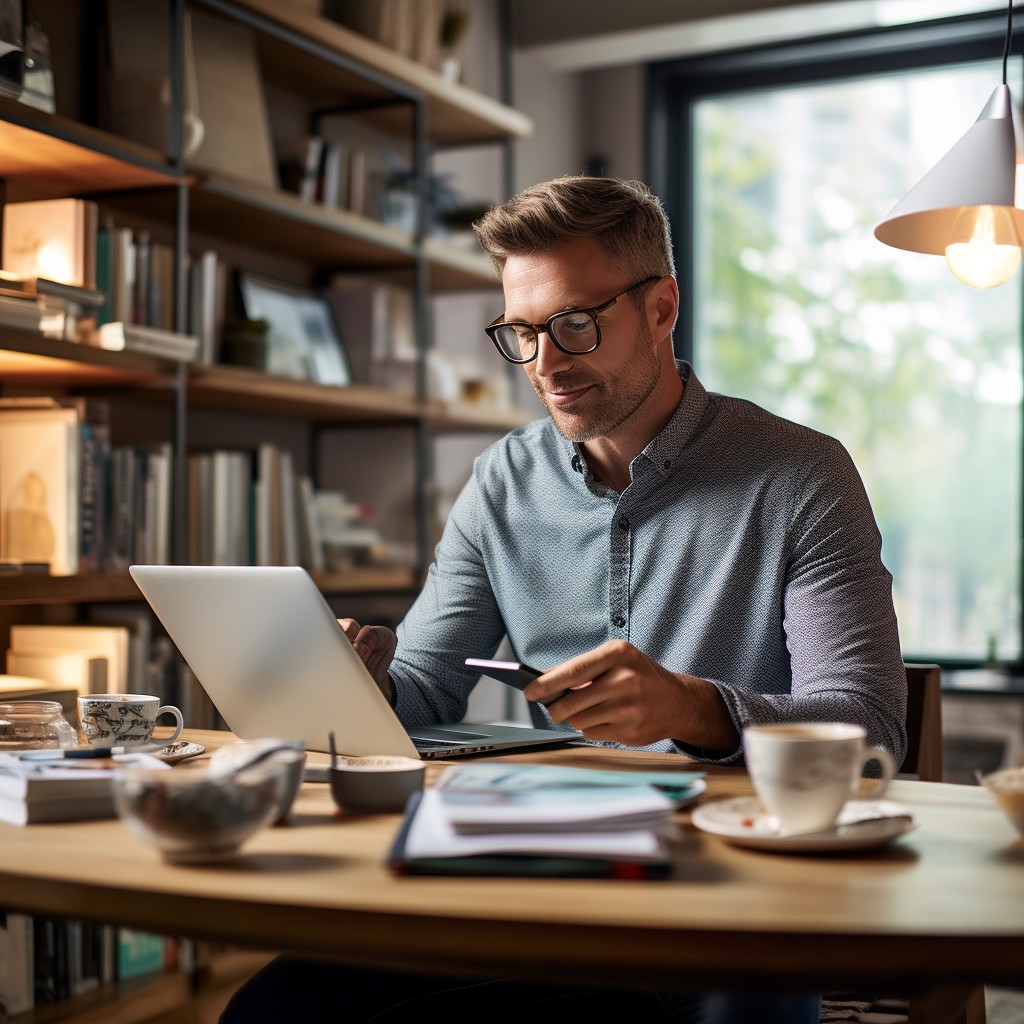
(1009, 33)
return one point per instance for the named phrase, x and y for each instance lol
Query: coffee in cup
(124, 719)
(804, 772)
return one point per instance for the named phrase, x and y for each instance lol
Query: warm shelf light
(968, 206)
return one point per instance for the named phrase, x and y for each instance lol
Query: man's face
(588, 396)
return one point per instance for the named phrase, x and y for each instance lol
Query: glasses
(575, 332)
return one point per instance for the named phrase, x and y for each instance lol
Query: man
(689, 562)
(685, 563)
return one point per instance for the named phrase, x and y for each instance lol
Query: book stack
(61, 789)
(526, 819)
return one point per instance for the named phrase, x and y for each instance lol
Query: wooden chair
(947, 1004)
(924, 723)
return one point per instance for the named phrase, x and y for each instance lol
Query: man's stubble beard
(631, 392)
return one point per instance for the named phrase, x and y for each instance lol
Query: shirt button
(668, 462)
(618, 622)
(623, 523)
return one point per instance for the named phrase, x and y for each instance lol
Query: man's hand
(618, 693)
(376, 646)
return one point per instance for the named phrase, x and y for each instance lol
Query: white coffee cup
(804, 772)
(124, 719)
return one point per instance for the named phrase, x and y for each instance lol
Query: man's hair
(625, 217)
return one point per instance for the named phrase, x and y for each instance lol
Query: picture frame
(302, 340)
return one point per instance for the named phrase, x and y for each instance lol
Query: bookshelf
(51, 155)
(308, 64)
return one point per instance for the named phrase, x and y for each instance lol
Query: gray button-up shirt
(743, 551)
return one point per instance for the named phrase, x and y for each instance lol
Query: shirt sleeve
(455, 617)
(839, 620)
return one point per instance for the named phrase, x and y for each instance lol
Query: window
(794, 305)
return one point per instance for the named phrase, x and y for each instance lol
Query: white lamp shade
(980, 170)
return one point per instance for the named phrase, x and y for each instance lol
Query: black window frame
(674, 86)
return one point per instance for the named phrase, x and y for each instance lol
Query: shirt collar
(666, 447)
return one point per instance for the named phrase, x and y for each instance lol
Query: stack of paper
(511, 819)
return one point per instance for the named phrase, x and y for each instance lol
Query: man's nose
(549, 355)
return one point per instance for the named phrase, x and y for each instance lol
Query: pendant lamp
(968, 207)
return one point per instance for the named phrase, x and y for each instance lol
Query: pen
(58, 755)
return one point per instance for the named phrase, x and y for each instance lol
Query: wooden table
(943, 904)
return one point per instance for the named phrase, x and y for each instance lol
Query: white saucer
(179, 750)
(741, 821)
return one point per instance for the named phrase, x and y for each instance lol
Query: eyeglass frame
(545, 327)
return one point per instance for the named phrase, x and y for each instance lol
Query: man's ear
(664, 295)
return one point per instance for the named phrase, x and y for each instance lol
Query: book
(17, 964)
(39, 487)
(53, 239)
(226, 88)
(118, 336)
(139, 953)
(298, 163)
(110, 642)
(208, 293)
(62, 789)
(82, 671)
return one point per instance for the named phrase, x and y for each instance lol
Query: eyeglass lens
(575, 331)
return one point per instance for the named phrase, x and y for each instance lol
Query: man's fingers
(350, 628)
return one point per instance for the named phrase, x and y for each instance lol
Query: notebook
(267, 648)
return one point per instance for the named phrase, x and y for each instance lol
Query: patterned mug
(124, 719)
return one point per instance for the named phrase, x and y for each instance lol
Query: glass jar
(34, 725)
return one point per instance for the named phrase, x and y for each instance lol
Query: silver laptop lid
(268, 650)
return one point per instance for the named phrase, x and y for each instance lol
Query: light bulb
(991, 252)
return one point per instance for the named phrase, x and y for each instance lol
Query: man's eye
(576, 322)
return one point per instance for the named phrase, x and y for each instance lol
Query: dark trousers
(312, 991)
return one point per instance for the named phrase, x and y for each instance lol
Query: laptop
(267, 649)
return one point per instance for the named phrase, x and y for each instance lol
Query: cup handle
(885, 759)
(170, 709)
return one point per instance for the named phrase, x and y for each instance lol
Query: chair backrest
(924, 723)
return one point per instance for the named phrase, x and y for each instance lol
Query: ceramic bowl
(191, 816)
(229, 759)
(374, 784)
(1007, 786)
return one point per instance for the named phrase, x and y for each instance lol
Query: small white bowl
(193, 817)
(1007, 786)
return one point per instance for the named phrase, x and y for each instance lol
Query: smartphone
(511, 672)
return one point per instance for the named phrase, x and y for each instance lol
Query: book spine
(17, 964)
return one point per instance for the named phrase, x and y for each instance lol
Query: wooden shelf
(92, 587)
(98, 587)
(30, 358)
(456, 115)
(249, 215)
(138, 1000)
(44, 156)
(235, 387)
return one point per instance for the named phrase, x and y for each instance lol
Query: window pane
(799, 308)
